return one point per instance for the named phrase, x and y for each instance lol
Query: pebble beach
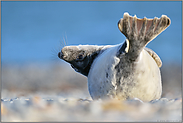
(36, 86)
(39, 109)
(37, 93)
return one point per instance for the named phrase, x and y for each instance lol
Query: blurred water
(31, 30)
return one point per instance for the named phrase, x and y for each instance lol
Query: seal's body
(111, 76)
(123, 71)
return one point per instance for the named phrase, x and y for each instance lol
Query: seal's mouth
(60, 55)
(74, 68)
(63, 57)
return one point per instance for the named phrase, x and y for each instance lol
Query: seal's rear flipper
(139, 32)
(154, 56)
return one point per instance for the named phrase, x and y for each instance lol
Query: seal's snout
(65, 54)
(60, 55)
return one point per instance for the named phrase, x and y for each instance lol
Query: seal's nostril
(59, 54)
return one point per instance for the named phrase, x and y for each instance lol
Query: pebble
(37, 108)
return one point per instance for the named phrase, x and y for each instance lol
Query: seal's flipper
(154, 56)
(139, 32)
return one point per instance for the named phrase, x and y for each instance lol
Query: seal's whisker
(56, 49)
(64, 42)
(61, 43)
(66, 39)
(54, 53)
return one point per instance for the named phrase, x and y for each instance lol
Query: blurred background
(32, 34)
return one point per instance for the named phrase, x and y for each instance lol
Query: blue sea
(35, 31)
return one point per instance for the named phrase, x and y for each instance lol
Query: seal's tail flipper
(139, 32)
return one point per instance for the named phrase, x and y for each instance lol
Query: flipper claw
(140, 32)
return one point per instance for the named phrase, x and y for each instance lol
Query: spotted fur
(123, 71)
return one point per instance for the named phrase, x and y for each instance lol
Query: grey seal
(126, 70)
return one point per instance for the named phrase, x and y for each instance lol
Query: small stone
(178, 99)
(83, 100)
(135, 101)
(16, 98)
(11, 99)
(154, 101)
(5, 100)
(171, 100)
(49, 101)
(164, 100)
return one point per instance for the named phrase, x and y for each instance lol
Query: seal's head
(80, 57)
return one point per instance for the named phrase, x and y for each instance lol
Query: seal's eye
(80, 57)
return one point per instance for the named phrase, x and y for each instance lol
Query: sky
(35, 31)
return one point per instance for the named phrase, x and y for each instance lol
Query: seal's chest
(101, 77)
